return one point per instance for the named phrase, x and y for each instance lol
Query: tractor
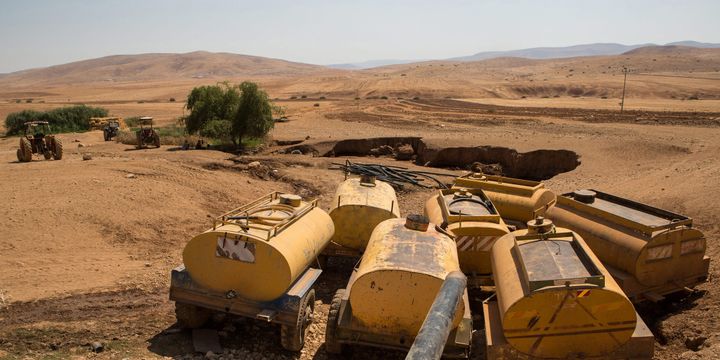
(111, 129)
(147, 135)
(37, 139)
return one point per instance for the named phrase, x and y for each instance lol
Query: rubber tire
(292, 338)
(26, 150)
(19, 155)
(106, 135)
(156, 140)
(191, 316)
(332, 346)
(57, 149)
(140, 144)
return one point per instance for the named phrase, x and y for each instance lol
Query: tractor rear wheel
(139, 138)
(332, 346)
(156, 140)
(292, 338)
(57, 149)
(191, 316)
(25, 150)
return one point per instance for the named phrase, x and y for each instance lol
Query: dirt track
(87, 249)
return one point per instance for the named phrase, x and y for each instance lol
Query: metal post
(430, 341)
(622, 102)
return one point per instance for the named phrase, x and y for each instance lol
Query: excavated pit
(533, 165)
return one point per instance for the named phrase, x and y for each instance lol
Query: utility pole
(622, 102)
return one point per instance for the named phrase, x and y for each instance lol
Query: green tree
(229, 112)
(211, 102)
(254, 114)
(218, 129)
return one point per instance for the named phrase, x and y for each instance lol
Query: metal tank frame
(474, 234)
(345, 328)
(526, 278)
(624, 233)
(293, 309)
(370, 205)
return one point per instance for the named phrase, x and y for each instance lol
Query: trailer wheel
(293, 337)
(191, 316)
(332, 346)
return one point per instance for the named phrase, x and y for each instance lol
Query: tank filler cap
(367, 180)
(462, 193)
(290, 199)
(417, 222)
(584, 196)
(539, 225)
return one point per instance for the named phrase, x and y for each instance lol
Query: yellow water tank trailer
(555, 298)
(470, 216)
(257, 251)
(650, 252)
(359, 205)
(401, 272)
(515, 199)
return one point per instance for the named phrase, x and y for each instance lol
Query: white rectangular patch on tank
(235, 249)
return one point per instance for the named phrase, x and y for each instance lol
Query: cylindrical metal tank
(556, 299)
(358, 206)
(654, 246)
(471, 217)
(258, 250)
(399, 276)
(515, 199)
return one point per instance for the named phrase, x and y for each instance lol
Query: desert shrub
(66, 119)
(316, 105)
(18, 101)
(384, 97)
(416, 98)
(322, 98)
(172, 99)
(357, 98)
(304, 97)
(293, 97)
(693, 97)
(29, 101)
(132, 121)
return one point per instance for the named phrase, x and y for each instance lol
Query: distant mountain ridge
(559, 52)
(158, 66)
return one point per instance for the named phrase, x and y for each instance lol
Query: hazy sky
(42, 33)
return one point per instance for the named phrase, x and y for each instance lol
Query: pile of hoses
(394, 175)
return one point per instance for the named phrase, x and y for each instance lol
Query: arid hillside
(662, 72)
(144, 67)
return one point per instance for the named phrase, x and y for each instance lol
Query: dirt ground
(87, 246)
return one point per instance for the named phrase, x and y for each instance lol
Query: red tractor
(37, 140)
(146, 135)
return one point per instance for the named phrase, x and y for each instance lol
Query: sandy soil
(87, 246)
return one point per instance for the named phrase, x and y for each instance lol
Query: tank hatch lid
(267, 216)
(624, 212)
(462, 204)
(551, 260)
